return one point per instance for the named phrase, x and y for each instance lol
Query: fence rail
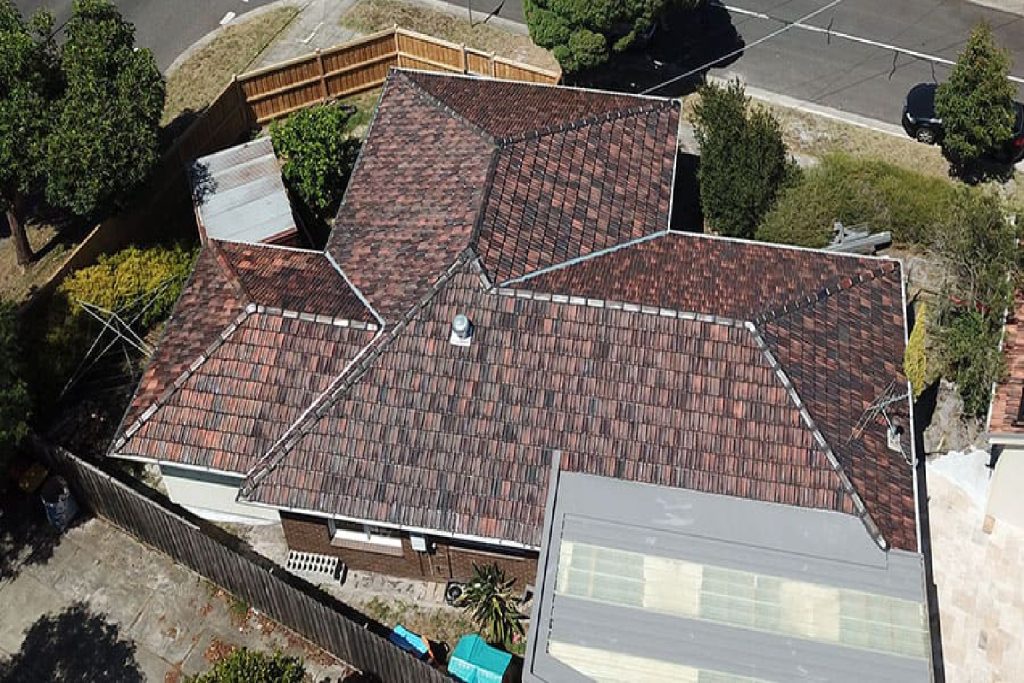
(258, 97)
(363, 64)
(226, 561)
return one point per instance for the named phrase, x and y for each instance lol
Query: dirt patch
(375, 15)
(51, 249)
(439, 624)
(218, 650)
(202, 76)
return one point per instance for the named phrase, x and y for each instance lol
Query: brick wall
(449, 559)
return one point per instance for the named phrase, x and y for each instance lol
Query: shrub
(858, 192)
(248, 666)
(317, 154)
(133, 279)
(743, 160)
(915, 360)
(976, 103)
(15, 403)
(579, 32)
(969, 343)
(488, 597)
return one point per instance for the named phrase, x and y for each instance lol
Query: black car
(922, 123)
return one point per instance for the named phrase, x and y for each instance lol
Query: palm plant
(489, 599)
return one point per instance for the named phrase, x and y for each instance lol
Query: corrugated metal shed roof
(239, 195)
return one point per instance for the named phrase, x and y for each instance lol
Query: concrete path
(98, 605)
(318, 26)
(978, 576)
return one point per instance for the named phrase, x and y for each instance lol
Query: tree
(976, 103)
(28, 82)
(488, 598)
(104, 140)
(79, 120)
(15, 403)
(743, 160)
(583, 34)
(318, 154)
(248, 666)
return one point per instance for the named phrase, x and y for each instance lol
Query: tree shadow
(703, 38)
(74, 645)
(687, 215)
(26, 538)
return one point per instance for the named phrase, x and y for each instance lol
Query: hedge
(858, 192)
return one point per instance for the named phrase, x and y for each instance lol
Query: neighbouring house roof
(239, 196)
(677, 585)
(541, 213)
(1006, 415)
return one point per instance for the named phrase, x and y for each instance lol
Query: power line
(740, 50)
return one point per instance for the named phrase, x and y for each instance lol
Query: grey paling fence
(229, 563)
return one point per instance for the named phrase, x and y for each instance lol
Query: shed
(239, 196)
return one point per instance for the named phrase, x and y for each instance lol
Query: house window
(365, 537)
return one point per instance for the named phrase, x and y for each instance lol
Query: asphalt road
(165, 26)
(862, 65)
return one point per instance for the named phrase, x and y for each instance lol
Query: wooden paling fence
(363, 65)
(226, 561)
(258, 97)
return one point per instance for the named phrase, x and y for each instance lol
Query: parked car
(922, 123)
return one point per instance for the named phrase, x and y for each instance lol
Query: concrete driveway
(96, 605)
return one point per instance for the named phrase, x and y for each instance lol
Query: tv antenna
(892, 394)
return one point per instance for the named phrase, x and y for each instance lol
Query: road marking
(305, 41)
(851, 38)
(227, 18)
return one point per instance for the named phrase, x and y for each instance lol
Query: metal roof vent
(462, 331)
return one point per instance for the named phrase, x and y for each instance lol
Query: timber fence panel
(227, 562)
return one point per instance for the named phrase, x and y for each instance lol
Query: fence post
(243, 102)
(465, 60)
(323, 75)
(494, 71)
(398, 50)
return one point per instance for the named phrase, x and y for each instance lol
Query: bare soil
(17, 285)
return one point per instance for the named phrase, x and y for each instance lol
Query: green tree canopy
(583, 33)
(28, 83)
(743, 160)
(976, 103)
(318, 154)
(15, 402)
(248, 666)
(79, 119)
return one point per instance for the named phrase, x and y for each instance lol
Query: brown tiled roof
(209, 302)
(725, 366)
(709, 275)
(448, 165)
(258, 334)
(459, 439)
(842, 352)
(1005, 415)
(294, 280)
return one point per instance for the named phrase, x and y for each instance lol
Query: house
(505, 355)
(1005, 426)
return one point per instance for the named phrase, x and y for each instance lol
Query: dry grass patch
(375, 15)
(202, 76)
(16, 285)
(440, 624)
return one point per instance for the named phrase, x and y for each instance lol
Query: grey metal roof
(239, 195)
(655, 621)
